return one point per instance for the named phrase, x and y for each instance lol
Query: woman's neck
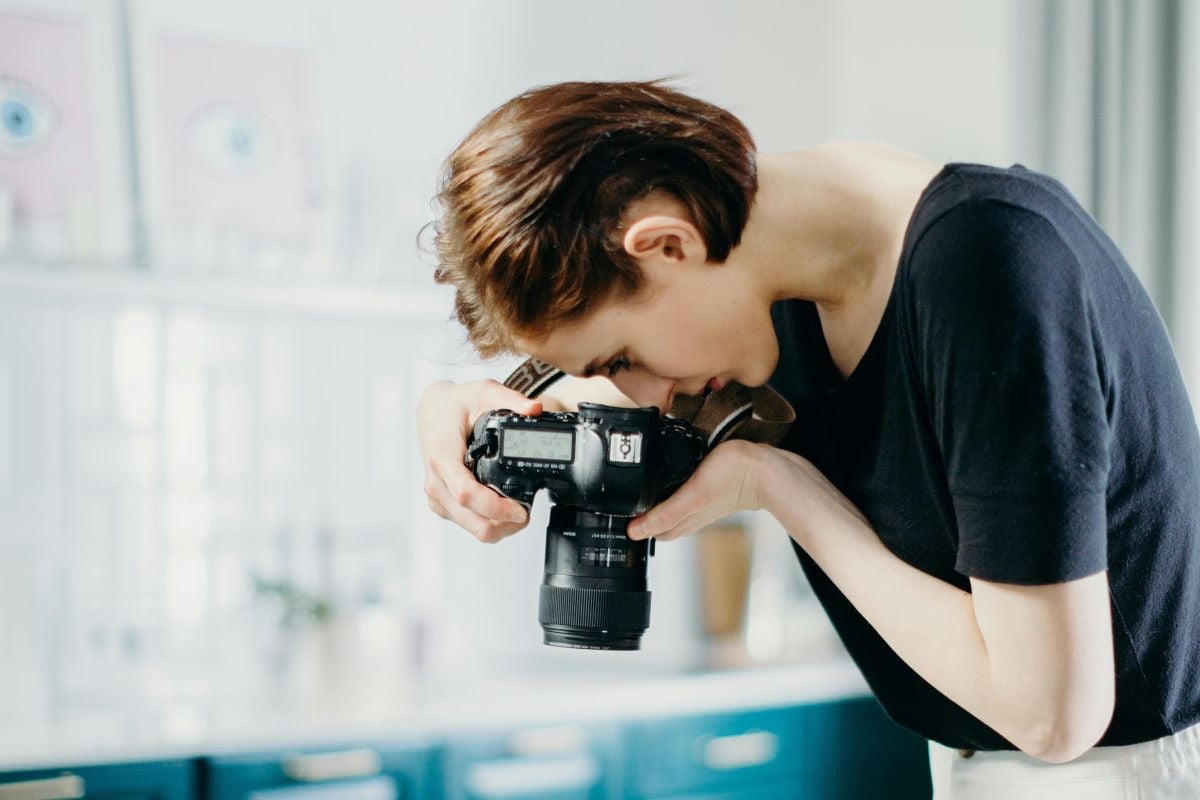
(828, 222)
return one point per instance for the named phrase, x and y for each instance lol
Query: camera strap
(758, 414)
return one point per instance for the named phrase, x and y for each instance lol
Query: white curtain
(1110, 122)
(1115, 115)
(1185, 319)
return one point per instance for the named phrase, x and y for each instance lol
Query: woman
(993, 482)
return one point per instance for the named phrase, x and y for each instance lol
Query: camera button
(625, 447)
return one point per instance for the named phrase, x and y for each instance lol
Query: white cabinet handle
(556, 740)
(745, 750)
(64, 787)
(331, 766)
(521, 777)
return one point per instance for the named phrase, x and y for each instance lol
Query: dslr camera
(601, 466)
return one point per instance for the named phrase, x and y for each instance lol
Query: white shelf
(282, 294)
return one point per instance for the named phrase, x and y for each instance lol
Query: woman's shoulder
(1000, 191)
(977, 211)
(996, 244)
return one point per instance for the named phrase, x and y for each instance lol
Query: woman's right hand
(445, 415)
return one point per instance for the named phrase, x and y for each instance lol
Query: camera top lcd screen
(538, 445)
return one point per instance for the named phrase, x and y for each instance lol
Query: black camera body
(600, 466)
(602, 459)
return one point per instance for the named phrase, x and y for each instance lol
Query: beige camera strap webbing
(758, 414)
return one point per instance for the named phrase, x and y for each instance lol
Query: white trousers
(1163, 769)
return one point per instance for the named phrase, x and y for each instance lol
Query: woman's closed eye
(617, 364)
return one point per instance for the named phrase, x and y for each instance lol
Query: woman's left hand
(726, 482)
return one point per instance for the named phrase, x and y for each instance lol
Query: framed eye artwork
(226, 120)
(65, 177)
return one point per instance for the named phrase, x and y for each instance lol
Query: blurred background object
(63, 119)
(215, 320)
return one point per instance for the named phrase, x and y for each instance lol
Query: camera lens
(594, 593)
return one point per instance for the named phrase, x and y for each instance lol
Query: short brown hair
(531, 197)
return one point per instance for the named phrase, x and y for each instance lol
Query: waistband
(1184, 740)
(1180, 740)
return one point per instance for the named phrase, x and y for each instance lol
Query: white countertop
(425, 711)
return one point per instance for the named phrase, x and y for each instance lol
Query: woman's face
(691, 328)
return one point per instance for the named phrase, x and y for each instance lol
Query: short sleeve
(1012, 373)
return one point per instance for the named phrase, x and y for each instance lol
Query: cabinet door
(558, 762)
(717, 755)
(842, 750)
(357, 771)
(856, 750)
(787, 790)
(150, 780)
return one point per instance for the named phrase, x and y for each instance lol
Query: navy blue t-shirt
(1018, 417)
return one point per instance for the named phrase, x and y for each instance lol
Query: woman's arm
(1035, 663)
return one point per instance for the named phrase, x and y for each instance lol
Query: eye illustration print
(27, 119)
(230, 129)
(231, 142)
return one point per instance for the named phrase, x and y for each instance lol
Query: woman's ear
(664, 237)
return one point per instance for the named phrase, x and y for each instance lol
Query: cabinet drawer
(780, 790)
(555, 762)
(355, 771)
(717, 752)
(149, 780)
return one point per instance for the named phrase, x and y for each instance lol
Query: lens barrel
(594, 594)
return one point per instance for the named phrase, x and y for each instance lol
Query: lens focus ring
(598, 609)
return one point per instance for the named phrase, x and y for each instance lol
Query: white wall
(933, 76)
(404, 81)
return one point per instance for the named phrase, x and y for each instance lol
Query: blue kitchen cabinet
(844, 750)
(728, 754)
(856, 751)
(397, 771)
(554, 762)
(146, 780)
